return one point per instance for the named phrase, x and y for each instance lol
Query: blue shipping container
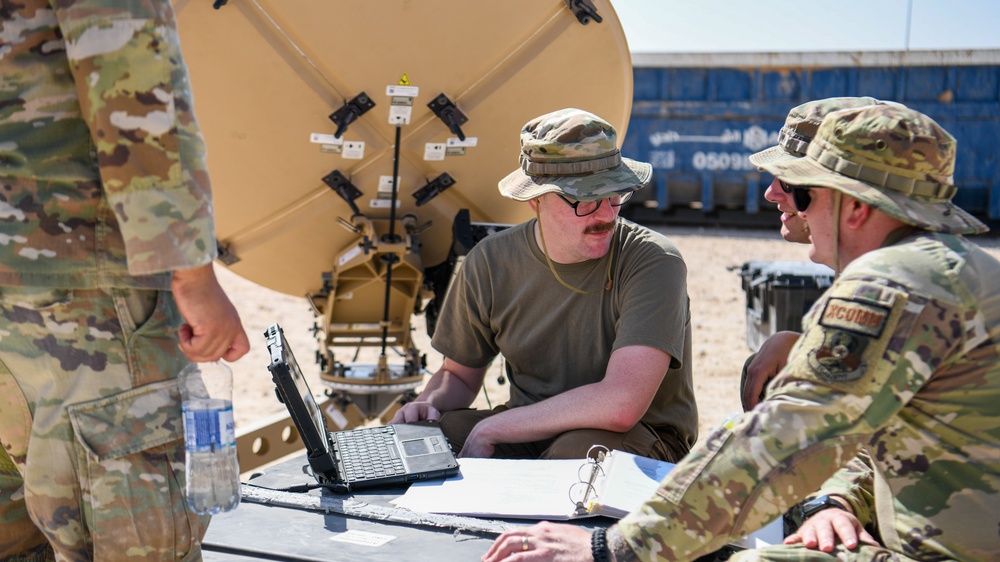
(696, 118)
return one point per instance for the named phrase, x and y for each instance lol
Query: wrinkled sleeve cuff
(165, 230)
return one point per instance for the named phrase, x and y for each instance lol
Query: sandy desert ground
(718, 304)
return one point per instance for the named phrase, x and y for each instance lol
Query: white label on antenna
(338, 417)
(319, 138)
(349, 255)
(399, 115)
(383, 203)
(434, 151)
(469, 141)
(354, 150)
(407, 91)
(385, 184)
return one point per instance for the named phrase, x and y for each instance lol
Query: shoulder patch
(859, 317)
(839, 356)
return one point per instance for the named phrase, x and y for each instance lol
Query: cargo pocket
(130, 457)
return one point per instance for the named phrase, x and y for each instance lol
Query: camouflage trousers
(798, 553)
(91, 425)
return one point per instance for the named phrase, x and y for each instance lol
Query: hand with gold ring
(544, 541)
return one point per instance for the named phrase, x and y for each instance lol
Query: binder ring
(596, 453)
(583, 492)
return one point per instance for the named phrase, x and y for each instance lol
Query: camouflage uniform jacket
(102, 171)
(900, 356)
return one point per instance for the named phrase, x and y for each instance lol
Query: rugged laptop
(359, 458)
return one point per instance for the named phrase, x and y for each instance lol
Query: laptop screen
(302, 388)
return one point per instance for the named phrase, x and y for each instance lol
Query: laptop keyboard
(369, 453)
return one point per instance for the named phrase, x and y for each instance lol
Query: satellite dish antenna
(351, 143)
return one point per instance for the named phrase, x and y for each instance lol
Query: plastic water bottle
(213, 474)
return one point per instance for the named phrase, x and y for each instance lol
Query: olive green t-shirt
(504, 300)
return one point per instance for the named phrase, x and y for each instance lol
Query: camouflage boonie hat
(891, 157)
(574, 153)
(801, 125)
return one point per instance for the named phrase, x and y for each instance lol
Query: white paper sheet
(527, 489)
(539, 489)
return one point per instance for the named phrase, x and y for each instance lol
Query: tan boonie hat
(891, 157)
(801, 125)
(575, 153)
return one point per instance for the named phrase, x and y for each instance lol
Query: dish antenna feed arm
(451, 115)
(350, 112)
(584, 11)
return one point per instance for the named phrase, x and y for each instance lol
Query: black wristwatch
(815, 505)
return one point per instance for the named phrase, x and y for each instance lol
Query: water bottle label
(208, 429)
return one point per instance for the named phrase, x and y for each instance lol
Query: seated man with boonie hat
(589, 310)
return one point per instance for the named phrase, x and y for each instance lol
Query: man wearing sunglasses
(589, 310)
(899, 358)
(824, 518)
(845, 243)
(793, 140)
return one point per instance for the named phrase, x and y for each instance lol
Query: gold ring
(524, 543)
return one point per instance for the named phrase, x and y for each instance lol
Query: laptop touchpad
(425, 446)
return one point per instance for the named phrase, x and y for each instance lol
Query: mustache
(600, 228)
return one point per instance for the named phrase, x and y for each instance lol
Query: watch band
(818, 504)
(599, 546)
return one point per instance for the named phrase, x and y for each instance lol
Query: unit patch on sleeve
(839, 357)
(848, 328)
(858, 317)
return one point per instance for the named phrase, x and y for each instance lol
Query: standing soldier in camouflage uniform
(590, 312)
(103, 193)
(900, 357)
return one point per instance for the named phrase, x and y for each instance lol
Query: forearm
(764, 366)
(596, 406)
(448, 391)
(616, 403)
(212, 329)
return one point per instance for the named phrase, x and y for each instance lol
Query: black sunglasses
(800, 195)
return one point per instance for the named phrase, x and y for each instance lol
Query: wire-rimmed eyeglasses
(584, 208)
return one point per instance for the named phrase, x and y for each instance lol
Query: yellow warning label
(404, 80)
